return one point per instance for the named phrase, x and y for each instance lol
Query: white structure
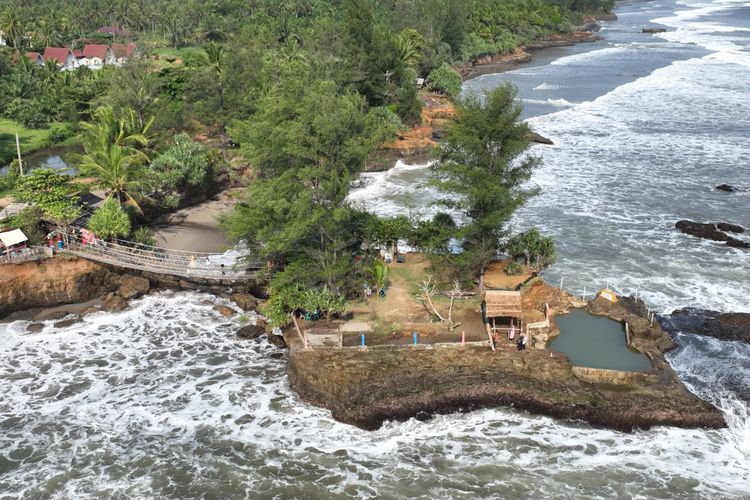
(63, 57)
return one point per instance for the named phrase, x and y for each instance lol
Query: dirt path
(197, 228)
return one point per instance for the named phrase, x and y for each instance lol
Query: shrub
(445, 80)
(144, 236)
(59, 132)
(194, 58)
(513, 268)
(110, 220)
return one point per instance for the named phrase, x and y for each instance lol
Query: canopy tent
(502, 303)
(12, 238)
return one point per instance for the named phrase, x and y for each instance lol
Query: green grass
(30, 139)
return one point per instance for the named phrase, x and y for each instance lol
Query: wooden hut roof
(502, 303)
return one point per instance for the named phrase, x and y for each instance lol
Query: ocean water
(163, 401)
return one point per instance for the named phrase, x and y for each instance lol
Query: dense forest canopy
(302, 91)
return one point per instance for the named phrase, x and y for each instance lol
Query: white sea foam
(547, 86)
(558, 103)
(161, 400)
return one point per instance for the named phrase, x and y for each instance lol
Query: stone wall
(612, 377)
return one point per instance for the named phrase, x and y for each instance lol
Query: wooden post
(18, 150)
(299, 332)
(489, 334)
(463, 337)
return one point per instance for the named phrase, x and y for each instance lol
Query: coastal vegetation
(483, 163)
(294, 98)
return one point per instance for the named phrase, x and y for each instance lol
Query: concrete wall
(611, 377)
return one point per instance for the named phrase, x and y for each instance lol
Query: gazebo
(11, 241)
(502, 311)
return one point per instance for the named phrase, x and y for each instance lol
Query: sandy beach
(196, 228)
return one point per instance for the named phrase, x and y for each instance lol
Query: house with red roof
(35, 57)
(124, 51)
(63, 57)
(96, 56)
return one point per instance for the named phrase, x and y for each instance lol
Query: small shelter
(502, 310)
(11, 241)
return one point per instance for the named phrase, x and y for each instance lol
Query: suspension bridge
(228, 267)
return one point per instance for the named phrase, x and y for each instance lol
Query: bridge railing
(158, 260)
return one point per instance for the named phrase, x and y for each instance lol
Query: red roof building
(124, 50)
(62, 56)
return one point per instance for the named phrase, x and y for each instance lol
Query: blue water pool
(596, 342)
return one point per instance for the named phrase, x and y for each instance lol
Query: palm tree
(12, 26)
(117, 170)
(216, 55)
(46, 34)
(126, 131)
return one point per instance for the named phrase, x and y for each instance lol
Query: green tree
(484, 165)
(52, 193)
(118, 170)
(445, 80)
(533, 247)
(110, 220)
(409, 105)
(307, 142)
(12, 27)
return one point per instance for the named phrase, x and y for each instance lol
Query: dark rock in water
(132, 287)
(590, 26)
(276, 340)
(735, 243)
(250, 332)
(66, 323)
(707, 231)
(35, 327)
(724, 326)
(114, 303)
(726, 188)
(539, 139)
(732, 228)
(654, 30)
(245, 301)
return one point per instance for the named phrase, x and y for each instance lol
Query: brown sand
(197, 228)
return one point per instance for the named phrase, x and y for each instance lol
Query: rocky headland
(367, 386)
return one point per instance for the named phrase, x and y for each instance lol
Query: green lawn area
(30, 139)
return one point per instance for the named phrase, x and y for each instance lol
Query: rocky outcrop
(251, 332)
(114, 303)
(726, 188)
(245, 301)
(731, 228)
(654, 30)
(132, 287)
(225, 311)
(711, 232)
(416, 144)
(540, 139)
(365, 387)
(724, 326)
(50, 282)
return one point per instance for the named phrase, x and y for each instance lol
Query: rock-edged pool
(596, 342)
